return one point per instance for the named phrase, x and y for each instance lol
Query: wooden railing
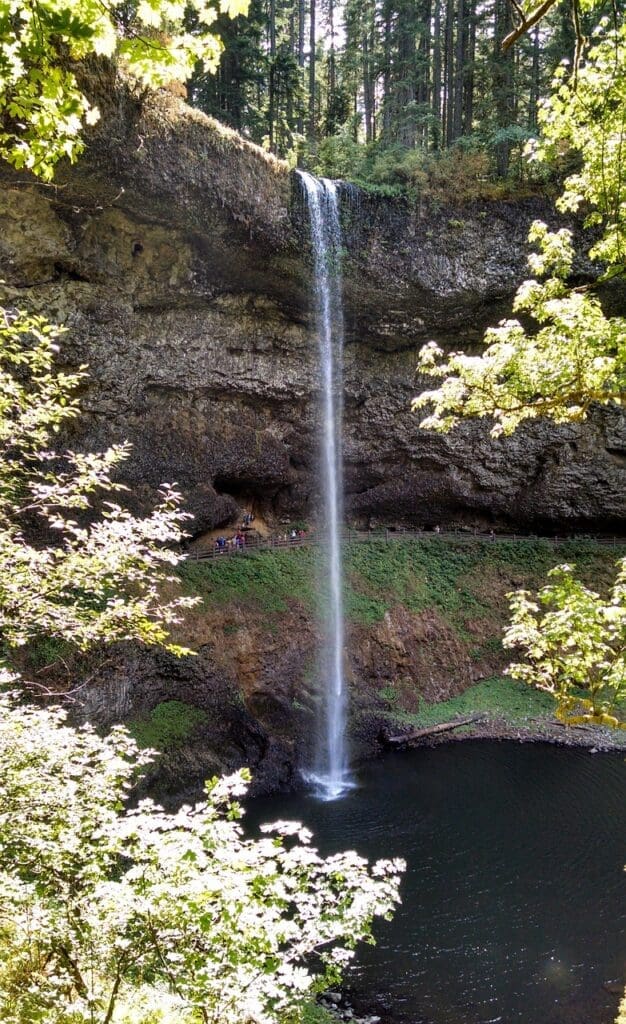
(255, 544)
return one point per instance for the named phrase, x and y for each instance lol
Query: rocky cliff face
(177, 255)
(253, 681)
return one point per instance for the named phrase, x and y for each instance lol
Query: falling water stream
(331, 774)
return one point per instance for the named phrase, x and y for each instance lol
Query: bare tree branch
(526, 24)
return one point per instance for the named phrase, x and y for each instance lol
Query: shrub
(109, 917)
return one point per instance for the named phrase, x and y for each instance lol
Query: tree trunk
(503, 93)
(331, 120)
(423, 69)
(368, 88)
(470, 57)
(271, 112)
(448, 109)
(312, 72)
(406, 739)
(533, 99)
(436, 98)
(405, 82)
(387, 112)
(459, 71)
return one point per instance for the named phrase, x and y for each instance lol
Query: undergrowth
(448, 574)
(167, 726)
(313, 1013)
(268, 582)
(265, 580)
(465, 581)
(463, 173)
(47, 650)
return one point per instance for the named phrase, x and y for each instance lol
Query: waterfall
(331, 776)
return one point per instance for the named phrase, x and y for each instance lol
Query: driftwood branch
(407, 738)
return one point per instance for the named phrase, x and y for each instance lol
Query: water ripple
(513, 901)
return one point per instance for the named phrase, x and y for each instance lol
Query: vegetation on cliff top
(399, 96)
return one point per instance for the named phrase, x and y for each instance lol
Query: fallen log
(419, 734)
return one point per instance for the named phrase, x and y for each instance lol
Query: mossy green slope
(461, 579)
(167, 726)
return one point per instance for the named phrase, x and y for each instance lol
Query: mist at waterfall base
(513, 901)
(330, 775)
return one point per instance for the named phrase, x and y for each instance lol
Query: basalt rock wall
(252, 678)
(177, 255)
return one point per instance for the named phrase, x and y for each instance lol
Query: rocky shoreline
(595, 739)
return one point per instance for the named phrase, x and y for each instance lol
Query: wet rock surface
(177, 255)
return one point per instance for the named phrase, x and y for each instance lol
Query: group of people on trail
(294, 536)
(236, 543)
(437, 529)
(241, 539)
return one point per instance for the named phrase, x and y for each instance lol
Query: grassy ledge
(500, 698)
(507, 704)
(463, 580)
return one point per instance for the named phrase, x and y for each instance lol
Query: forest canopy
(380, 90)
(398, 95)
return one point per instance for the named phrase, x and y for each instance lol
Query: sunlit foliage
(576, 355)
(101, 580)
(119, 918)
(575, 645)
(43, 108)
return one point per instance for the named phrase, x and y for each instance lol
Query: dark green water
(514, 898)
